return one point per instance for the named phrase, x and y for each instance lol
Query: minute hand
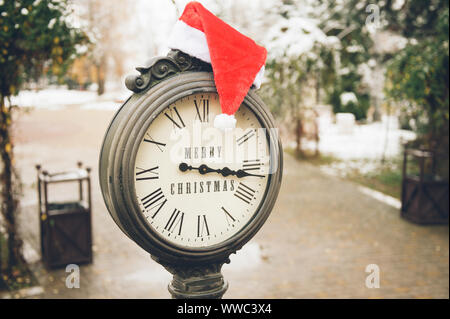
(241, 173)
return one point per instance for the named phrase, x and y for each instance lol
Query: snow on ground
(359, 148)
(367, 141)
(60, 98)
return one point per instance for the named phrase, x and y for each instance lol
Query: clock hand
(241, 173)
(204, 169)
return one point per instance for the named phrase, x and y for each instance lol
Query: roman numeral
(251, 165)
(151, 173)
(149, 139)
(155, 200)
(204, 115)
(178, 123)
(202, 226)
(175, 220)
(244, 193)
(244, 138)
(228, 217)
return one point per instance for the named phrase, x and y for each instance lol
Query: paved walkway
(322, 234)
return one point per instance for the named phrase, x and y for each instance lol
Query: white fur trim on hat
(193, 42)
(258, 78)
(225, 122)
(190, 41)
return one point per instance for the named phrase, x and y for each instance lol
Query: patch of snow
(389, 200)
(367, 141)
(372, 63)
(23, 293)
(355, 48)
(345, 122)
(398, 4)
(105, 105)
(29, 253)
(51, 23)
(345, 167)
(60, 98)
(294, 37)
(388, 42)
(53, 98)
(347, 97)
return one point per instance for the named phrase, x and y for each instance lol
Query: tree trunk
(8, 205)
(101, 66)
(317, 88)
(377, 112)
(298, 136)
(316, 134)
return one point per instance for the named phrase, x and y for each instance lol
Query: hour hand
(204, 169)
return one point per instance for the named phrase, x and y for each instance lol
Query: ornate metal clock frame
(196, 271)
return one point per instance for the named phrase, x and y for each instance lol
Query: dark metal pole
(88, 170)
(80, 182)
(404, 171)
(89, 193)
(38, 168)
(45, 173)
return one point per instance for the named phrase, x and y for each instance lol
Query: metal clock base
(197, 281)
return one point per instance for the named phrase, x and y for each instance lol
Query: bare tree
(105, 20)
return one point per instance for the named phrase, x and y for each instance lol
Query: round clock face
(198, 186)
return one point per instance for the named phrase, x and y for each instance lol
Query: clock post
(198, 280)
(190, 218)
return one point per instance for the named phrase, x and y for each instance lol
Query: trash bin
(65, 227)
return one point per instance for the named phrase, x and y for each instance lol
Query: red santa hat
(237, 61)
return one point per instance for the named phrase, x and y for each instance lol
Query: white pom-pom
(225, 122)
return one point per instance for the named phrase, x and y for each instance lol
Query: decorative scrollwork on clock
(160, 68)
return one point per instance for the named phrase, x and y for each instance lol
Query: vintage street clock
(186, 192)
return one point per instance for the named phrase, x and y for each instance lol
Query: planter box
(425, 202)
(66, 230)
(66, 235)
(425, 198)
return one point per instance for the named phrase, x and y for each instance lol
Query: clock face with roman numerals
(198, 186)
